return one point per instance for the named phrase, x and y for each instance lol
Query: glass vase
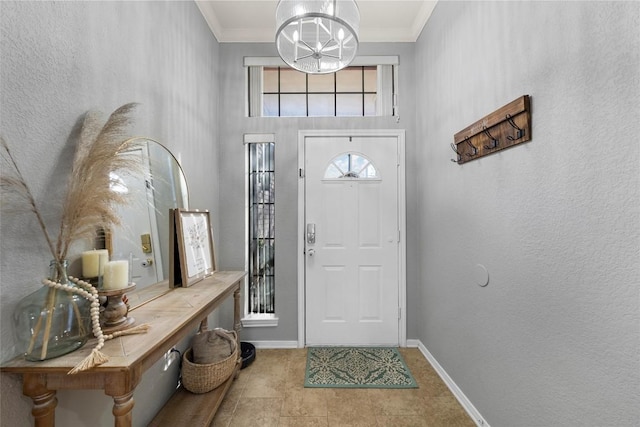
(52, 322)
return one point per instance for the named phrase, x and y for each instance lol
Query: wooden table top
(171, 316)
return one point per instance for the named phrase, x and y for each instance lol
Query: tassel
(95, 358)
(140, 329)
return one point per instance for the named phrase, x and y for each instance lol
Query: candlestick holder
(114, 316)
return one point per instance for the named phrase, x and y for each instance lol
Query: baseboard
(464, 401)
(275, 344)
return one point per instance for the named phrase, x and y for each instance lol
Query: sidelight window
(260, 300)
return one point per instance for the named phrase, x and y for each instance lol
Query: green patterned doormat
(357, 367)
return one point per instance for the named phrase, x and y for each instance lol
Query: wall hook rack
(494, 142)
(494, 132)
(520, 132)
(455, 150)
(474, 150)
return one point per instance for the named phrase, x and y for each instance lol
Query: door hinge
(398, 236)
(301, 173)
(399, 312)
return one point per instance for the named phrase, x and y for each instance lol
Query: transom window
(367, 88)
(348, 92)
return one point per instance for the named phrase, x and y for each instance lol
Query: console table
(172, 316)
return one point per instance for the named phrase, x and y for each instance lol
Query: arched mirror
(159, 186)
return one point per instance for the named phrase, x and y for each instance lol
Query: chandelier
(317, 36)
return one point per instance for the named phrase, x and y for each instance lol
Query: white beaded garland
(87, 291)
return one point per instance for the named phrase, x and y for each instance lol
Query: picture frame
(194, 245)
(174, 260)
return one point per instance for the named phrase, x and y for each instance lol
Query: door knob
(311, 252)
(148, 262)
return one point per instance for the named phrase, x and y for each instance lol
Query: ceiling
(254, 20)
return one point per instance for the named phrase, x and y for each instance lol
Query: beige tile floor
(271, 392)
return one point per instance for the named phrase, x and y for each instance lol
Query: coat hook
(473, 147)
(454, 147)
(519, 133)
(494, 142)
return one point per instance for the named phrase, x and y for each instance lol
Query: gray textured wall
(58, 60)
(234, 124)
(553, 340)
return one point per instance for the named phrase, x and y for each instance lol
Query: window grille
(363, 90)
(348, 92)
(351, 166)
(261, 227)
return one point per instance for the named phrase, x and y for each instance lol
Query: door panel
(370, 294)
(336, 306)
(369, 221)
(351, 270)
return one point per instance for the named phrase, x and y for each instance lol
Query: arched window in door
(351, 166)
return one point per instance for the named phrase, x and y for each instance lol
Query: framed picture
(195, 248)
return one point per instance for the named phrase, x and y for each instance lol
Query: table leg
(237, 325)
(44, 400)
(122, 409)
(44, 409)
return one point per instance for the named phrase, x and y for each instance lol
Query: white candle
(116, 275)
(93, 262)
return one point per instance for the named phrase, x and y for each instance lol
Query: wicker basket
(202, 378)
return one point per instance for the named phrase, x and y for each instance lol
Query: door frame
(402, 222)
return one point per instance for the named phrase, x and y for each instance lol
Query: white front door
(352, 233)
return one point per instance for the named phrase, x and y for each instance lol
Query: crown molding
(266, 34)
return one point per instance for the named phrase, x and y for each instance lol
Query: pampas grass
(17, 186)
(90, 204)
